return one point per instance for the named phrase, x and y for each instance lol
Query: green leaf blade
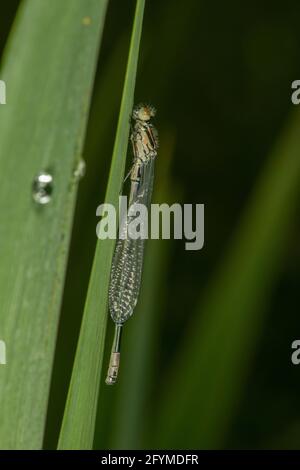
(78, 425)
(48, 67)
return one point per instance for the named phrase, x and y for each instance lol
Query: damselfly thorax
(144, 141)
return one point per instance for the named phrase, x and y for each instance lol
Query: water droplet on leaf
(80, 170)
(42, 187)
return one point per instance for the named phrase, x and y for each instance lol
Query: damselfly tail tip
(113, 368)
(110, 380)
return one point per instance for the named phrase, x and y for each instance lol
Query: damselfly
(126, 271)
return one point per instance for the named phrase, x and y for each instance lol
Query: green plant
(80, 413)
(42, 128)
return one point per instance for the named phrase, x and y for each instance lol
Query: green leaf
(99, 140)
(48, 69)
(78, 425)
(209, 371)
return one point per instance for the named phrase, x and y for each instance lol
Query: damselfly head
(143, 112)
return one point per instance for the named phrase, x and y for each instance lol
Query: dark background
(220, 76)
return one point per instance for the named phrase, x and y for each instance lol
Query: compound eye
(152, 111)
(135, 113)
